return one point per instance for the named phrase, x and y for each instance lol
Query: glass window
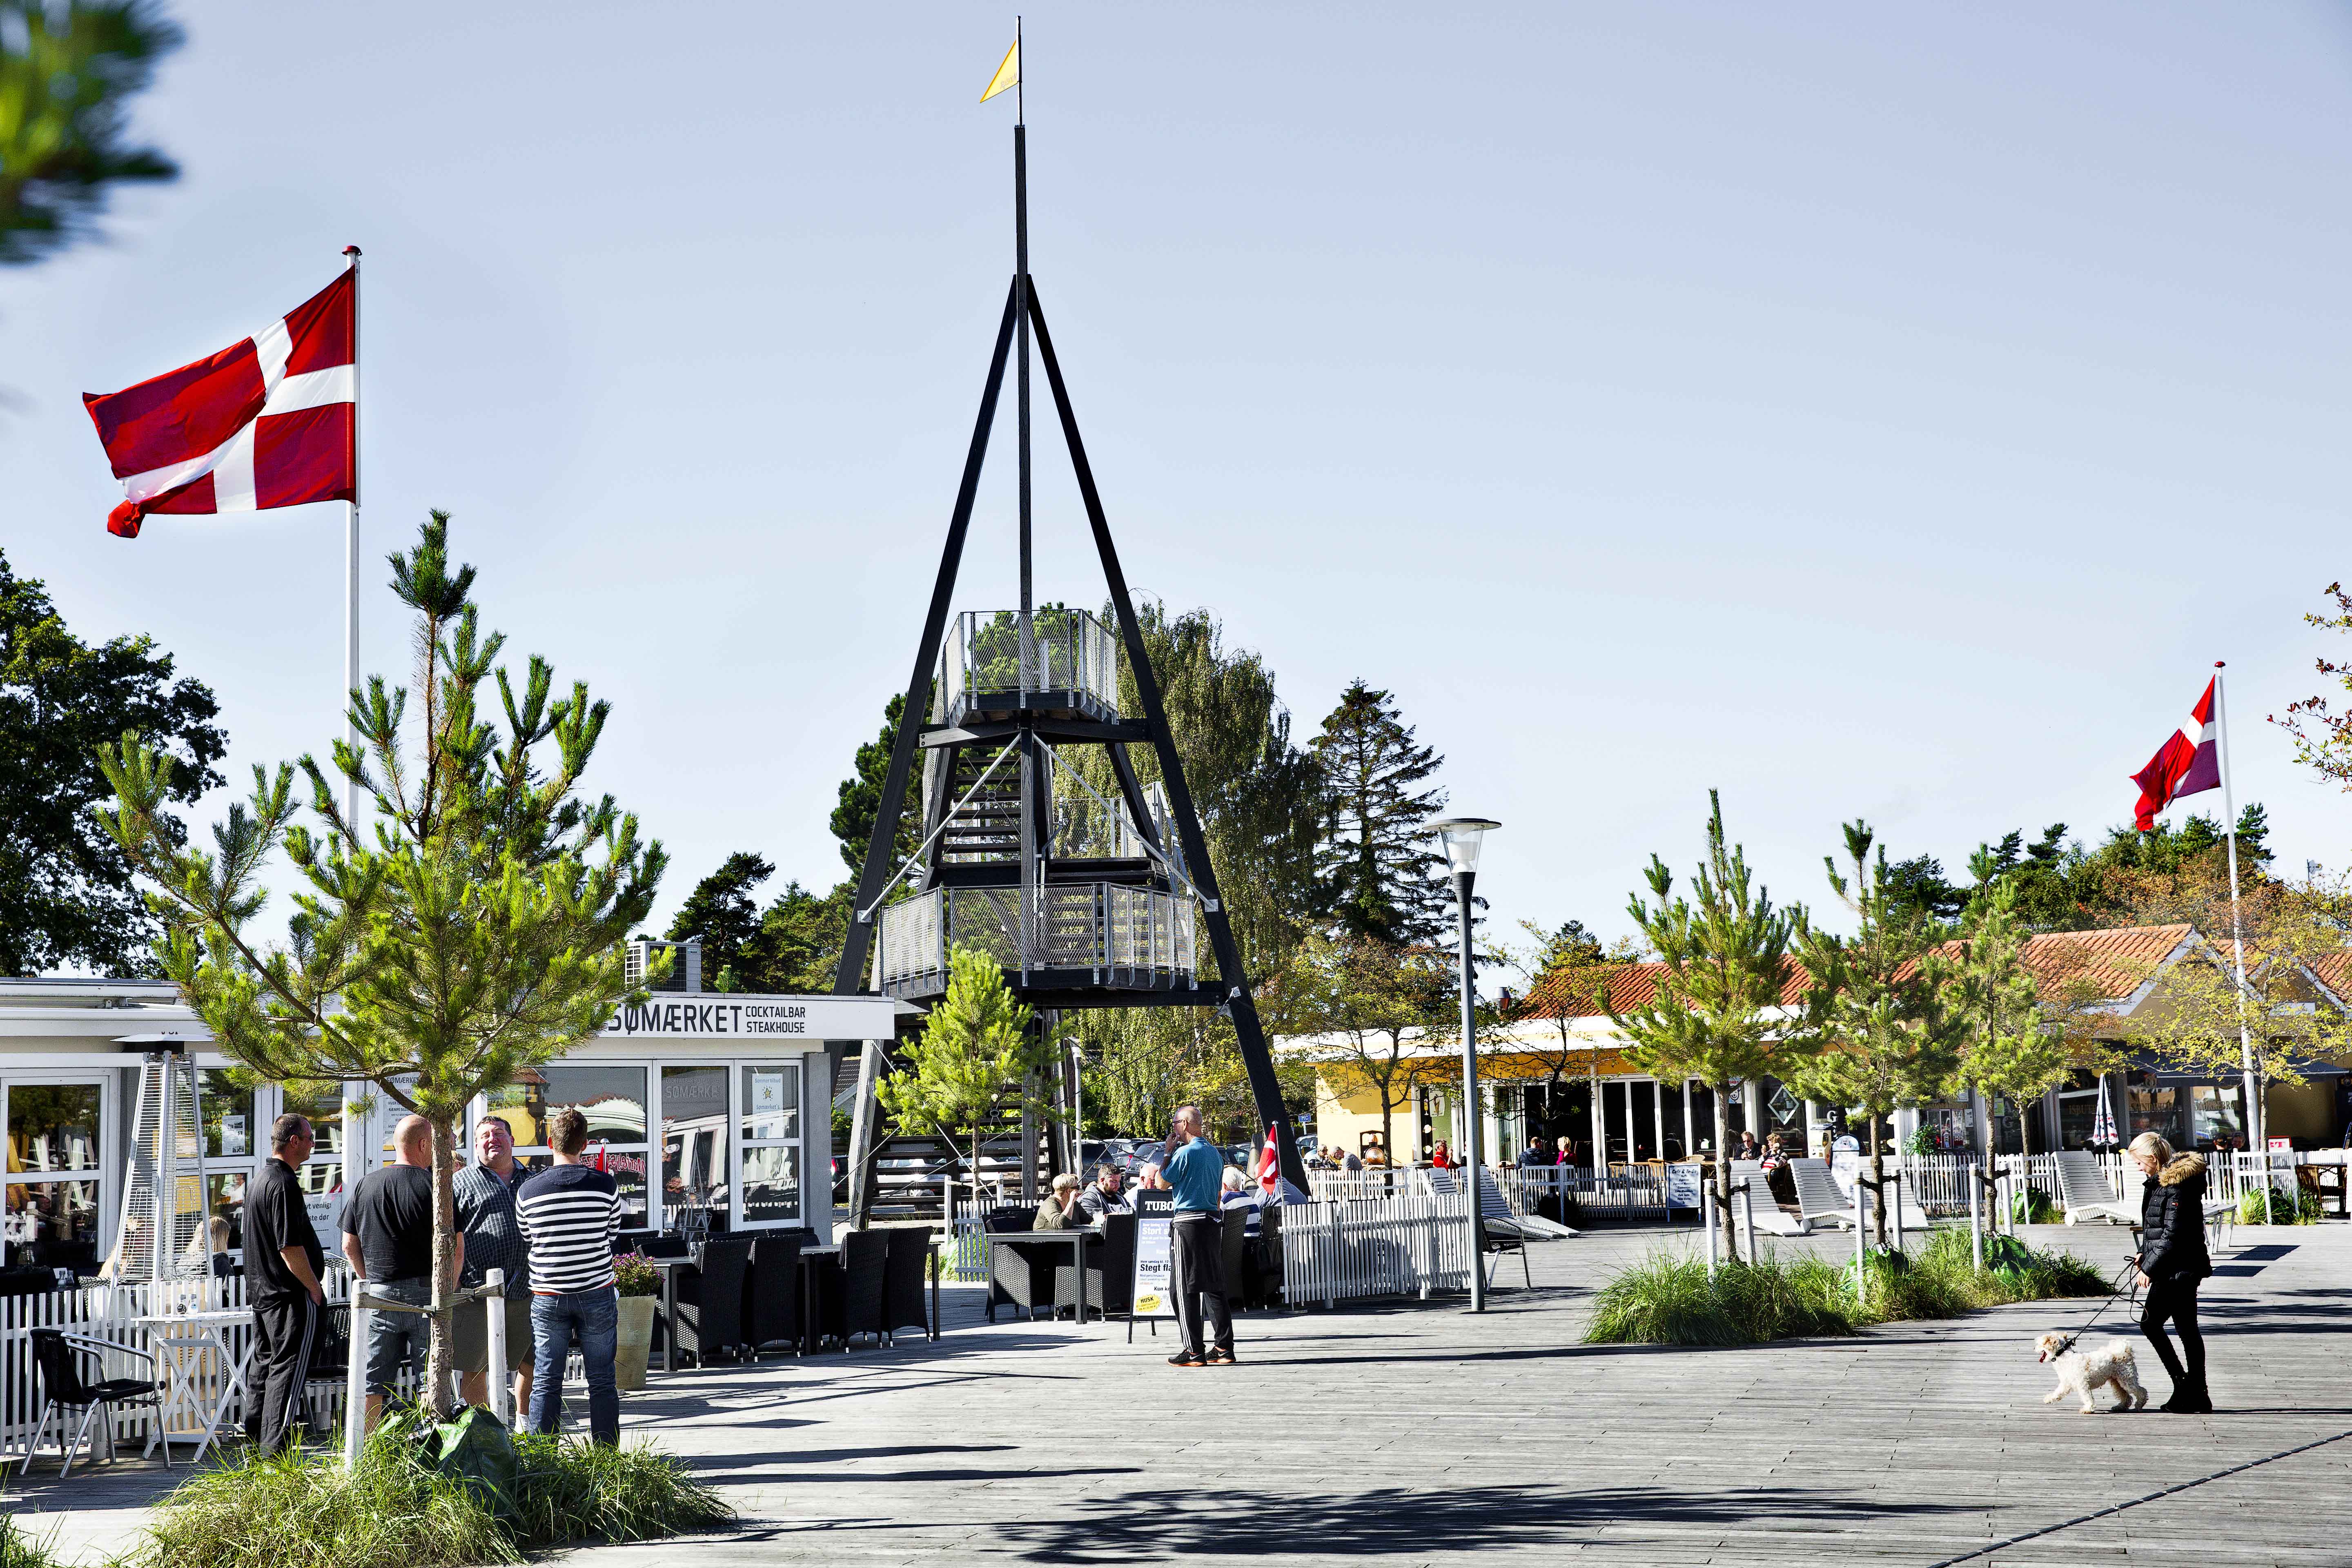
(321, 1104)
(229, 1132)
(771, 1143)
(613, 1098)
(696, 1162)
(52, 1214)
(226, 1207)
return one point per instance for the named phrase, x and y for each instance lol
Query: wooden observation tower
(1091, 893)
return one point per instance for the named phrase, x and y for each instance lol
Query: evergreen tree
(978, 1055)
(1715, 1014)
(1375, 867)
(861, 797)
(66, 76)
(470, 929)
(720, 912)
(2011, 1049)
(66, 891)
(1877, 1007)
(798, 942)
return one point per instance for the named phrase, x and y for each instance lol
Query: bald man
(388, 1237)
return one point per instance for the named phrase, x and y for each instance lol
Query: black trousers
(284, 1332)
(2173, 1297)
(1200, 1268)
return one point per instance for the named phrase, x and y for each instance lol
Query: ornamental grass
(1667, 1300)
(300, 1509)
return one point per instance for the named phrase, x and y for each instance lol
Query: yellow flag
(1007, 75)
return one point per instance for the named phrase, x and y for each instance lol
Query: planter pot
(636, 1340)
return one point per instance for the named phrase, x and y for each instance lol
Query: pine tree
(470, 929)
(861, 797)
(979, 1054)
(2010, 1048)
(720, 912)
(1876, 1004)
(1716, 1012)
(1374, 866)
(66, 76)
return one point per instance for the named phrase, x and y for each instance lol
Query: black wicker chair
(710, 1300)
(771, 1292)
(865, 1264)
(902, 1281)
(1024, 1276)
(61, 1359)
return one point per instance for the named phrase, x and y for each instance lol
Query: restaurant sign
(719, 1016)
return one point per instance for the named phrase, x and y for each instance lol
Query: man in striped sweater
(570, 1215)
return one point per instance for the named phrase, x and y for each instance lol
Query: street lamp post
(1460, 837)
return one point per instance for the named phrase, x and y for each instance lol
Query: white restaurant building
(719, 1099)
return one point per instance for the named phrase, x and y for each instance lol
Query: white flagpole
(352, 557)
(2237, 925)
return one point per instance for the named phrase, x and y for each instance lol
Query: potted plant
(639, 1284)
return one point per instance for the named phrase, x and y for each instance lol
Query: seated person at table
(1106, 1195)
(1060, 1211)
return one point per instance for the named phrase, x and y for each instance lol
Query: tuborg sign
(721, 1015)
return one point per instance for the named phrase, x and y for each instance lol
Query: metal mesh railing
(983, 660)
(1121, 935)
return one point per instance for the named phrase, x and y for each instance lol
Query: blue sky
(1879, 410)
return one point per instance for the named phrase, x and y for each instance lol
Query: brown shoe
(1221, 1356)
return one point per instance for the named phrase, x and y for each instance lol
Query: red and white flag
(2187, 763)
(268, 422)
(1269, 1164)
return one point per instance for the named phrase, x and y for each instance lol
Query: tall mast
(1021, 320)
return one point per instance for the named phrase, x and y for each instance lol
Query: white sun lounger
(2084, 1192)
(1769, 1215)
(1819, 1197)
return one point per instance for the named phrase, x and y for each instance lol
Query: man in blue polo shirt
(1196, 1172)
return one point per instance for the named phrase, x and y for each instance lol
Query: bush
(2296, 1208)
(2031, 1205)
(1667, 1300)
(300, 1509)
(19, 1550)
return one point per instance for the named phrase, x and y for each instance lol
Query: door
(57, 1186)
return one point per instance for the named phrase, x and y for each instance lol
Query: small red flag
(2187, 763)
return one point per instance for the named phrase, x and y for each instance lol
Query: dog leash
(2114, 1288)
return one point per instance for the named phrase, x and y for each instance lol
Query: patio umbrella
(2103, 1125)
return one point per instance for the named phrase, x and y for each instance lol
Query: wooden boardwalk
(1416, 1434)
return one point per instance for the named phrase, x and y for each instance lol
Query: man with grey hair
(388, 1238)
(1195, 1172)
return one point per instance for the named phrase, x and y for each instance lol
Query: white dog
(2080, 1371)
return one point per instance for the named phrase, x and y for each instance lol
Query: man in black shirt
(388, 1237)
(283, 1266)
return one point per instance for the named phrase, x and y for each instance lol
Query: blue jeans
(595, 1317)
(397, 1341)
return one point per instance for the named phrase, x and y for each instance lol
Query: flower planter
(637, 1341)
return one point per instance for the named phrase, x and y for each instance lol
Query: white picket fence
(110, 1312)
(1627, 1192)
(1408, 1245)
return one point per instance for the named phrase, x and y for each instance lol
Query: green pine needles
(980, 1054)
(469, 928)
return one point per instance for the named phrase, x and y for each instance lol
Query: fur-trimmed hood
(2184, 1165)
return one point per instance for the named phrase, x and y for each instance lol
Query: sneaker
(1220, 1356)
(1184, 1358)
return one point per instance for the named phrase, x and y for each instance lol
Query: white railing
(1334, 1186)
(110, 1312)
(1348, 1250)
(1627, 1192)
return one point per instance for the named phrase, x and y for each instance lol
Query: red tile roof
(2336, 970)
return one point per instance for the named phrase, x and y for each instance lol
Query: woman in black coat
(2172, 1263)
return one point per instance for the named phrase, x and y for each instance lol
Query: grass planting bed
(1667, 1300)
(301, 1510)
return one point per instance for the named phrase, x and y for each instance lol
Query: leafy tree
(66, 892)
(1382, 1009)
(1257, 795)
(66, 76)
(475, 933)
(2323, 736)
(1567, 975)
(861, 797)
(1716, 1013)
(1875, 1006)
(2010, 1048)
(1375, 866)
(799, 941)
(720, 912)
(978, 1055)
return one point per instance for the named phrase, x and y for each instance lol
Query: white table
(182, 1340)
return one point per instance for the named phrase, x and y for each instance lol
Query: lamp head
(1459, 837)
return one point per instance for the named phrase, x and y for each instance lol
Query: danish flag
(1269, 1164)
(268, 422)
(2187, 763)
